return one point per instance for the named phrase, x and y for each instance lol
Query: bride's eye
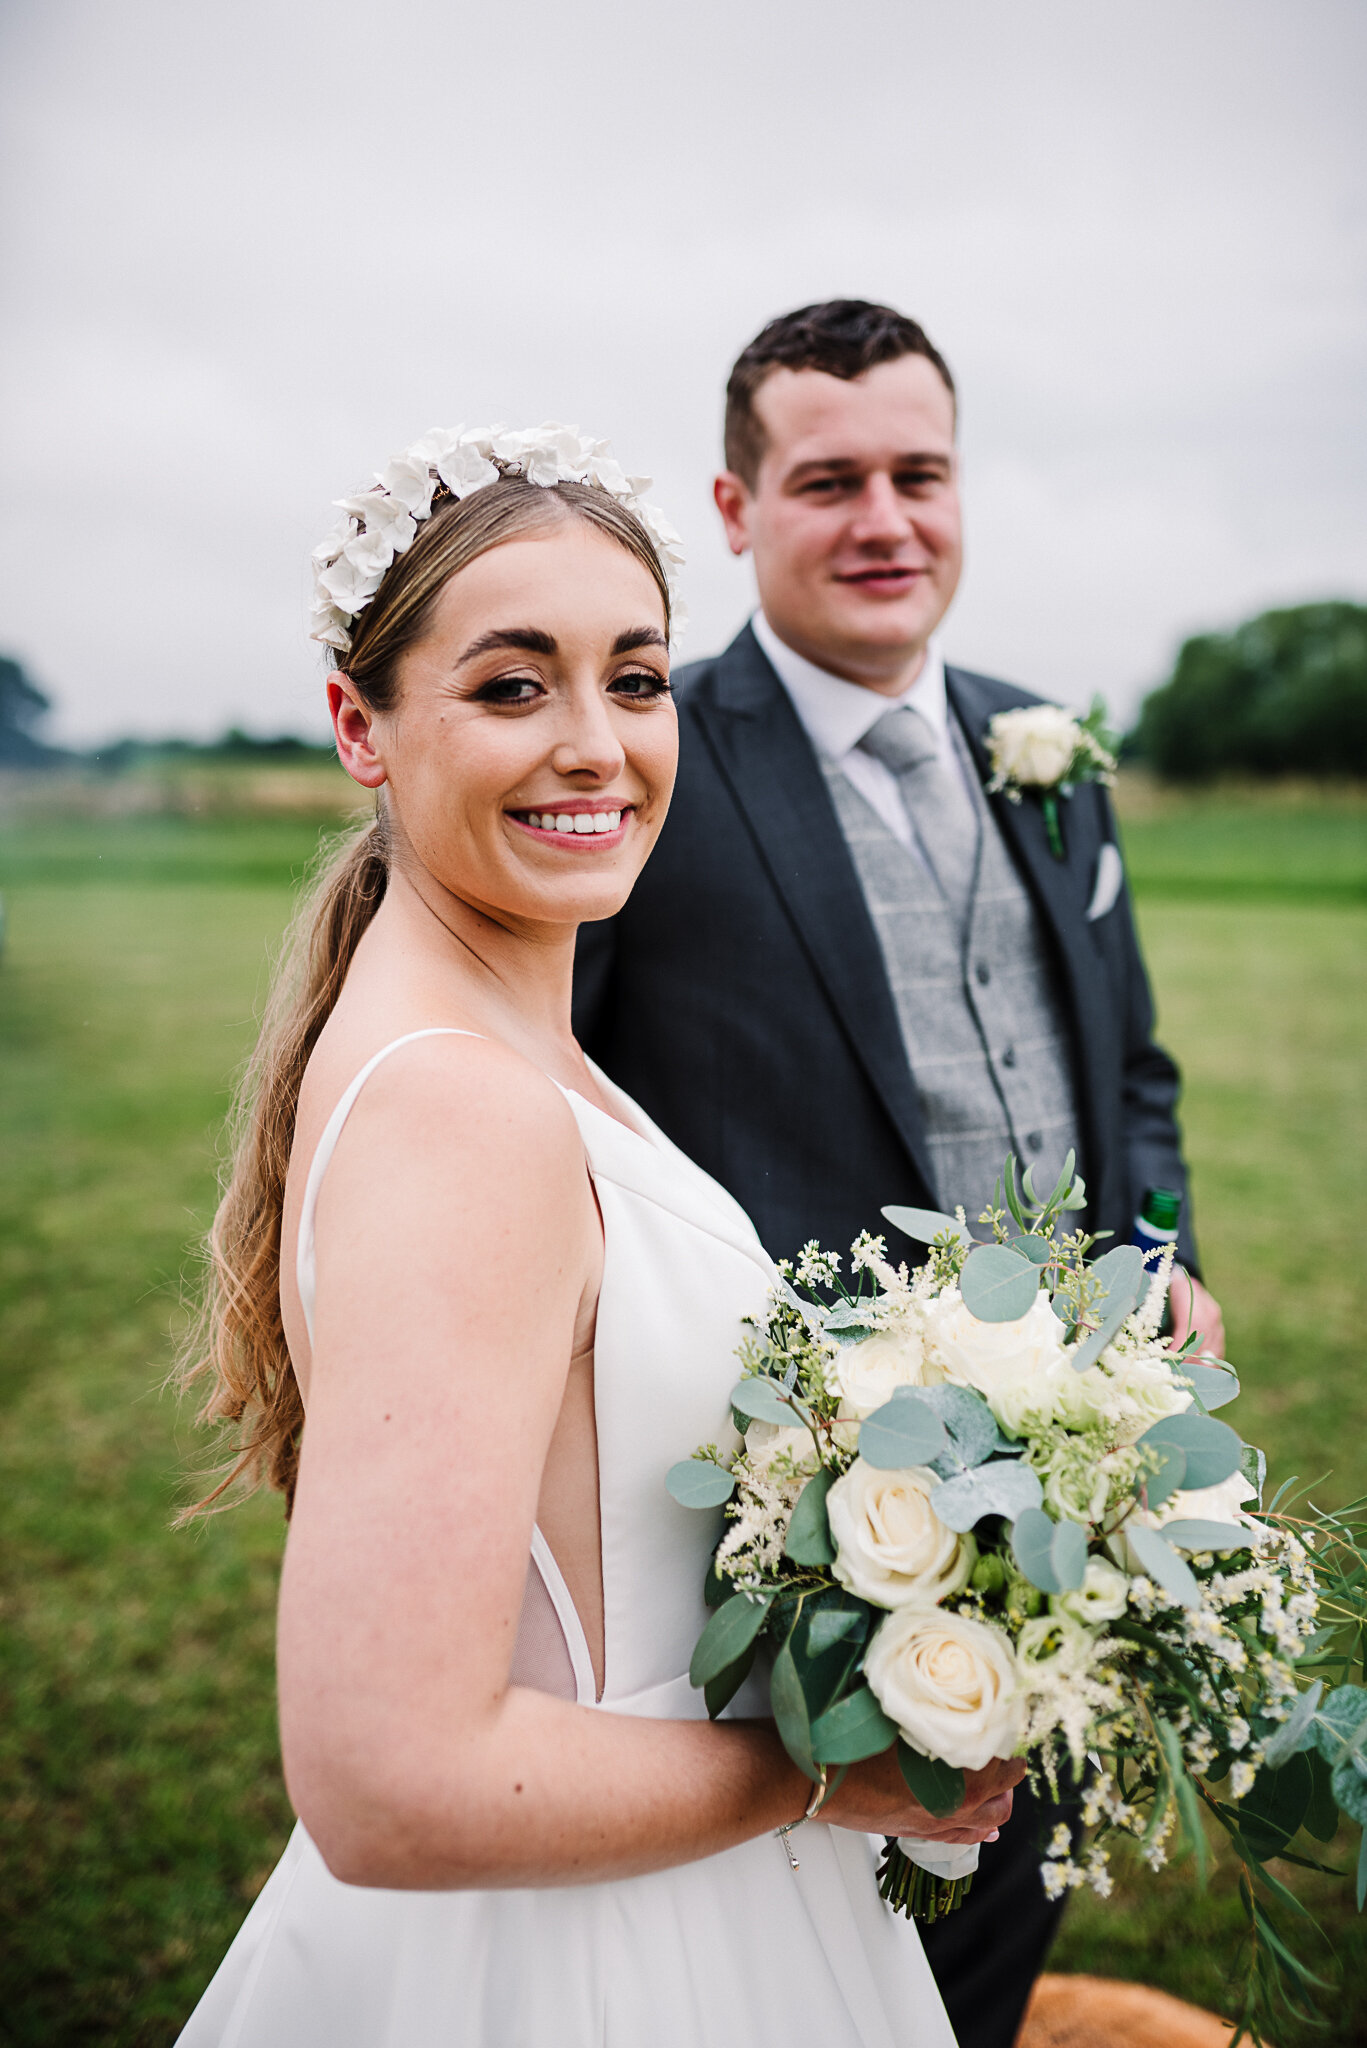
(640, 683)
(511, 690)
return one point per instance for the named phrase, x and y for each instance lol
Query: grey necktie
(937, 806)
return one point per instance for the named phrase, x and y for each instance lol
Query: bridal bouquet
(979, 1510)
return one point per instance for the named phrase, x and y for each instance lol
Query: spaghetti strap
(305, 1270)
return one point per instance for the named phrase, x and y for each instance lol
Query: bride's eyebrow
(639, 636)
(526, 639)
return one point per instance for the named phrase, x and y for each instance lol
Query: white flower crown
(382, 521)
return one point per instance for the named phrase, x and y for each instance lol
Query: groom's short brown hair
(843, 337)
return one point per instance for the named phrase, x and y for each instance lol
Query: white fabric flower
(869, 1373)
(950, 1684)
(891, 1546)
(1102, 1596)
(1033, 746)
(1017, 1367)
(383, 521)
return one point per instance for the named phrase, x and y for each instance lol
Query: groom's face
(853, 517)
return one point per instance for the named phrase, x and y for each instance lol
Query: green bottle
(1156, 1223)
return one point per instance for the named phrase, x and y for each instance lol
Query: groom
(848, 976)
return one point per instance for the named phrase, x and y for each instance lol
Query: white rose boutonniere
(1047, 750)
(950, 1684)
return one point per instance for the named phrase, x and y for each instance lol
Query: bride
(505, 1302)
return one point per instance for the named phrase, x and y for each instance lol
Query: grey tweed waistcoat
(979, 1013)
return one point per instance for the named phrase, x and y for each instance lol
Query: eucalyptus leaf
(1166, 1477)
(1002, 1487)
(1297, 1732)
(972, 1427)
(832, 1625)
(789, 1704)
(925, 1225)
(1342, 1719)
(809, 1533)
(1253, 1465)
(762, 1400)
(1350, 1787)
(997, 1284)
(1211, 1448)
(732, 1628)
(901, 1433)
(1322, 1816)
(1052, 1555)
(698, 1483)
(1037, 1249)
(938, 1786)
(848, 1315)
(719, 1692)
(1122, 1273)
(1162, 1563)
(854, 1728)
(1213, 1385)
(812, 1315)
(1200, 1535)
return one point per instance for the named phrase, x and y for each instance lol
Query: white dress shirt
(836, 715)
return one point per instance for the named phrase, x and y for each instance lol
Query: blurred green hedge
(1284, 694)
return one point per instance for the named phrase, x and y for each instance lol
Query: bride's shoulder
(446, 1098)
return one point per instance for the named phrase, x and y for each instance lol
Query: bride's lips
(579, 824)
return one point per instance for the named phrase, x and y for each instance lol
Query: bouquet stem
(909, 1889)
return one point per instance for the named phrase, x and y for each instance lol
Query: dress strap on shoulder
(305, 1272)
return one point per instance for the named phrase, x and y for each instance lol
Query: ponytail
(238, 1339)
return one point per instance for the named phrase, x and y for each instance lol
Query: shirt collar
(836, 714)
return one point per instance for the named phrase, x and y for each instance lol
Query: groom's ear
(732, 494)
(353, 725)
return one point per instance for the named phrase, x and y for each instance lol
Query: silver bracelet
(814, 1806)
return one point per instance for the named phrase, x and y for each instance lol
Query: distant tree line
(1284, 694)
(23, 706)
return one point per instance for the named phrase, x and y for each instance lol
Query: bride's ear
(353, 724)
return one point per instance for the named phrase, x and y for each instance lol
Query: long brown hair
(237, 1341)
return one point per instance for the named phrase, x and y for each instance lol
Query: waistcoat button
(1009, 1056)
(983, 972)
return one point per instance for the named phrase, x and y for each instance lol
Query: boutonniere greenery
(1046, 750)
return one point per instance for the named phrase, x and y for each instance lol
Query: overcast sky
(250, 251)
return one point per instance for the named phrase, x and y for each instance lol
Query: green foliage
(1052, 1555)
(809, 1532)
(1284, 694)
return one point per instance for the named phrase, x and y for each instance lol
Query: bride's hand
(872, 1798)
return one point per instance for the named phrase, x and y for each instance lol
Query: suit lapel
(765, 756)
(1057, 886)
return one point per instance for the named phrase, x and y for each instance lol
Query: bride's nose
(588, 745)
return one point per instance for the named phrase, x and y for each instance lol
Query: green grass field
(140, 1799)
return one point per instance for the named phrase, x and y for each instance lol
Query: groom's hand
(873, 1800)
(1193, 1308)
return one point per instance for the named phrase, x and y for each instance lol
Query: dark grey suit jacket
(741, 997)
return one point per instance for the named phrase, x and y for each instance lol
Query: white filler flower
(1102, 1596)
(891, 1546)
(949, 1683)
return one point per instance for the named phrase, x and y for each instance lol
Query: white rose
(1222, 1503)
(1033, 746)
(869, 1374)
(949, 1683)
(1017, 1367)
(891, 1546)
(766, 1442)
(1102, 1596)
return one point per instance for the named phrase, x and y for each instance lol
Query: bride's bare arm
(456, 1239)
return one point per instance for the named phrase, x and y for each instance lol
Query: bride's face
(531, 749)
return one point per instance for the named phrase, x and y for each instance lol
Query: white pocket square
(1110, 873)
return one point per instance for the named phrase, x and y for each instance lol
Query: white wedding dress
(734, 1951)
